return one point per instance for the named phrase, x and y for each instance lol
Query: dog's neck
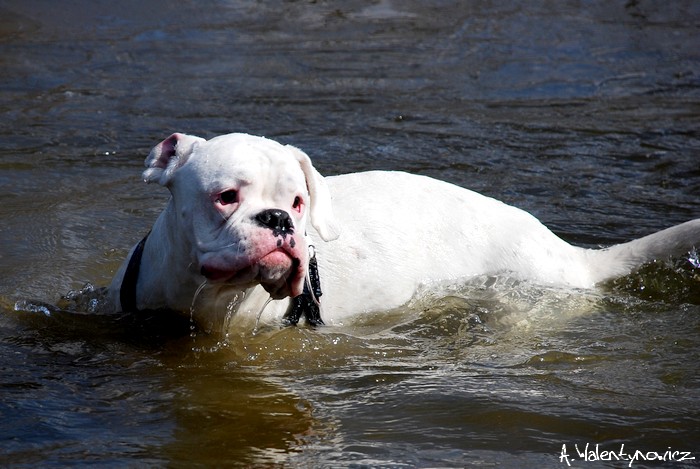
(307, 304)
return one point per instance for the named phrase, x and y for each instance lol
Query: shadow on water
(150, 393)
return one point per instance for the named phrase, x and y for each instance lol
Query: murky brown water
(587, 115)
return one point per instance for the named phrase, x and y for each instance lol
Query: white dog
(249, 218)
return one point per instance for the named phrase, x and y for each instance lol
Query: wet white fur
(397, 233)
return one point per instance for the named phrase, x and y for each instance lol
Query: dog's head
(241, 205)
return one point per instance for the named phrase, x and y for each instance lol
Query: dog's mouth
(277, 272)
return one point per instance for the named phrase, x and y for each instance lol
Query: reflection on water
(585, 115)
(450, 377)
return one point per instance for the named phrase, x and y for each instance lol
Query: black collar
(305, 304)
(127, 292)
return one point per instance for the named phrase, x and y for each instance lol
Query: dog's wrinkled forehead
(224, 166)
(244, 160)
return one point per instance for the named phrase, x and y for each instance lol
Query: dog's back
(403, 232)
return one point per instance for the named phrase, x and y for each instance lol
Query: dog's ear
(168, 156)
(321, 209)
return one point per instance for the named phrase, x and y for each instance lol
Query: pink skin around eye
(298, 204)
(231, 197)
(227, 197)
(226, 202)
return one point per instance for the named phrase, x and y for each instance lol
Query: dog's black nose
(277, 220)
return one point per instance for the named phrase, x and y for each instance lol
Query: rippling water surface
(585, 114)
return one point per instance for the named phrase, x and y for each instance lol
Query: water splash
(193, 324)
(218, 331)
(231, 310)
(32, 307)
(694, 258)
(259, 315)
(88, 299)
(664, 281)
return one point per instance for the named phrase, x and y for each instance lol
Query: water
(586, 115)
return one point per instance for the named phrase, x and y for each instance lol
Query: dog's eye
(228, 197)
(297, 203)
